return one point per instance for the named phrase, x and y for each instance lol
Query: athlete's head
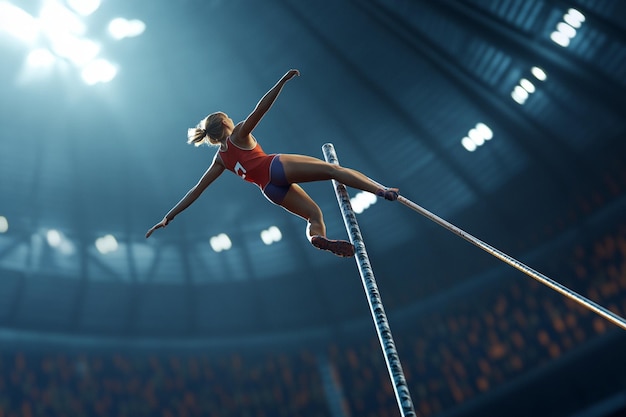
(211, 130)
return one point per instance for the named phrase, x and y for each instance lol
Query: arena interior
(504, 117)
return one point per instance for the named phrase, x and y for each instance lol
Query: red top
(252, 165)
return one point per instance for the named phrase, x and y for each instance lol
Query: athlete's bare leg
(301, 168)
(298, 202)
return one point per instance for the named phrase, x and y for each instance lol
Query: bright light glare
(18, 23)
(573, 22)
(566, 29)
(485, 131)
(40, 58)
(520, 93)
(4, 224)
(120, 28)
(98, 71)
(574, 18)
(78, 50)
(476, 137)
(560, 39)
(519, 99)
(106, 244)
(84, 7)
(539, 73)
(57, 20)
(54, 238)
(220, 242)
(362, 201)
(271, 235)
(527, 85)
(468, 144)
(60, 24)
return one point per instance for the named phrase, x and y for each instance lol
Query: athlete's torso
(252, 165)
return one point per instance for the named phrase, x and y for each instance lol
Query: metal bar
(612, 317)
(388, 346)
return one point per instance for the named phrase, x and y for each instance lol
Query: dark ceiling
(395, 86)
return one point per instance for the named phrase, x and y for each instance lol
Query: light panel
(18, 23)
(220, 242)
(476, 137)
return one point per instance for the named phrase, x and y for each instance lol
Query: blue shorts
(278, 186)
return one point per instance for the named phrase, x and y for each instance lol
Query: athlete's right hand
(159, 225)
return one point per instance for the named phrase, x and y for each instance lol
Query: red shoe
(341, 248)
(390, 194)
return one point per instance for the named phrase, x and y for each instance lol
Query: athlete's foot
(341, 248)
(390, 194)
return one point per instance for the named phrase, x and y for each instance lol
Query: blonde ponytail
(196, 135)
(210, 130)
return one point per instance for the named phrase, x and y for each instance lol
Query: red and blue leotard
(257, 167)
(252, 165)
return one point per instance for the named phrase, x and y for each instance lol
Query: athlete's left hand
(159, 225)
(290, 74)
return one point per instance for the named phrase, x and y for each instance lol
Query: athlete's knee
(326, 170)
(335, 171)
(349, 177)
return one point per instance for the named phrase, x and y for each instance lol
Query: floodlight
(485, 131)
(476, 136)
(575, 17)
(54, 238)
(566, 29)
(527, 85)
(40, 58)
(56, 19)
(18, 23)
(80, 51)
(220, 242)
(84, 7)
(362, 201)
(518, 91)
(271, 235)
(106, 244)
(468, 144)
(98, 71)
(560, 39)
(539, 73)
(120, 28)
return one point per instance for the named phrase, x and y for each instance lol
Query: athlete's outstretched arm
(211, 174)
(264, 104)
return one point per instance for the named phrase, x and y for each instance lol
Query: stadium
(503, 117)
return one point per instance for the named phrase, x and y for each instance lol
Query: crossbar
(585, 302)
